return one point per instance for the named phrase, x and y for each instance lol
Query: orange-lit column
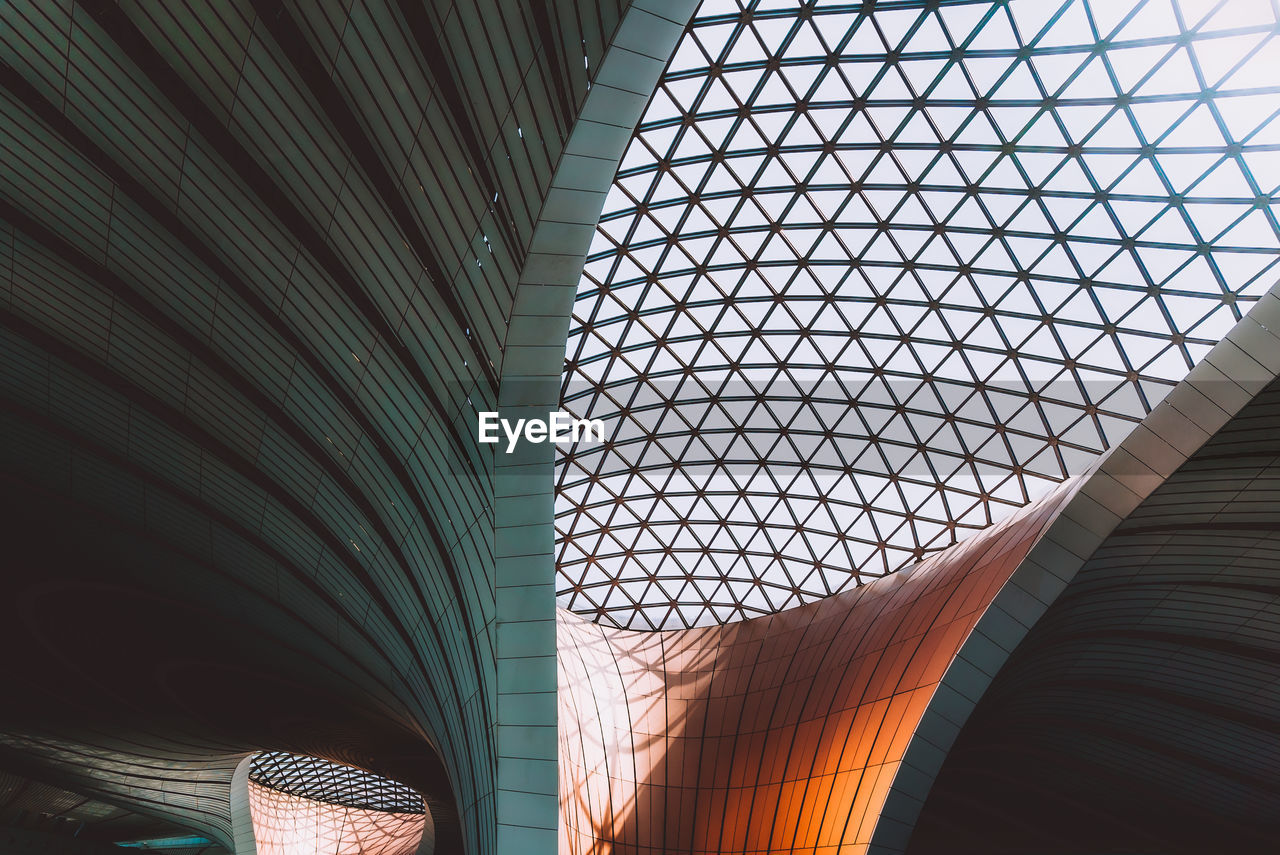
(778, 734)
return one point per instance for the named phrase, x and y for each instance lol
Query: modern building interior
(937, 349)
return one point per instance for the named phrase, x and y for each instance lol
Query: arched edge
(523, 636)
(427, 845)
(1230, 375)
(242, 837)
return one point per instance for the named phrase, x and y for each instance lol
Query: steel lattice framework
(322, 781)
(873, 274)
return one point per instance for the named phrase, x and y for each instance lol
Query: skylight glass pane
(872, 278)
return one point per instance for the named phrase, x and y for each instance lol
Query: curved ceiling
(40, 807)
(259, 259)
(1001, 230)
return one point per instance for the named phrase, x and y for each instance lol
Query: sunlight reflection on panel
(776, 735)
(350, 812)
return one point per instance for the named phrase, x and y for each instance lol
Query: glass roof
(323, 781)
(873, 275)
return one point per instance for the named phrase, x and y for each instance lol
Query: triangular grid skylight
(324, 781)
(873, 275)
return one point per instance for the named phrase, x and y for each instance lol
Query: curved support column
(778, 734)
(427, 845)
(241, 814)
(532, 365)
